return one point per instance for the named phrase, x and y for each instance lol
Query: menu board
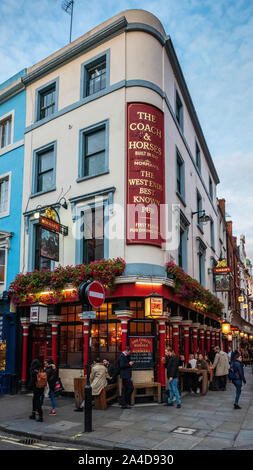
(142, 352)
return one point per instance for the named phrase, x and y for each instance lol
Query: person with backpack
(49, 368)
(38, 381)
(236, 374)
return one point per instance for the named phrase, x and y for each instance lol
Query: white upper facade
(136, 63)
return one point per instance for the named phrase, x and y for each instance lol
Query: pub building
(124, 163)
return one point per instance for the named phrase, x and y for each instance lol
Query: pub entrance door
(41, 342)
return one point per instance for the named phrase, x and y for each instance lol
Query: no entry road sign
(96, 294)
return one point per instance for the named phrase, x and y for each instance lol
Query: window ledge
(42, 192)
(84, 178)
(181, 198)
(4, 214)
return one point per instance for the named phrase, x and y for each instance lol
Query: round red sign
(96, 294)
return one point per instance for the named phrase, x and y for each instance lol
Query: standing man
(125, 366)
(171, 363)
(221, 366)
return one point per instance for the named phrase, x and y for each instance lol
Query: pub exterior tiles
(110, 123)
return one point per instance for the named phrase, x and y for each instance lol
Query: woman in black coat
(51, 380)
(237, 367)
(37, 392)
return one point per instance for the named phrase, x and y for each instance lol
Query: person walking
(238, 374)
(125, 366)
(171, 363)
(49, 367)
(221, 366)
(38, 381)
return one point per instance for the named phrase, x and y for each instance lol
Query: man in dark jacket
(111, 371)
(125, 366)
(171, 363)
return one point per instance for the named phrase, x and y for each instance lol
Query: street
(205, 422)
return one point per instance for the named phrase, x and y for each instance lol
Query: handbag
(58, 386)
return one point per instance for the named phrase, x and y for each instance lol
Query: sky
(213, 40)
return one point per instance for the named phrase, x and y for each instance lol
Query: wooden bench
(147, 386)
(101, 401)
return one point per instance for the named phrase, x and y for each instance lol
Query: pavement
(203, 423)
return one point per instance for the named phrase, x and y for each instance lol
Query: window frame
(38, 93)
(32, 233)
(7, 117)
(212, 234)
(3, 283)
(36, 153)
(89, 64)
(201, 262)
(80, 209)
(179, 110)
(6, 213)
(198, 156)
(82, 134)
(199, 209)
(210, 188)
(181, 176)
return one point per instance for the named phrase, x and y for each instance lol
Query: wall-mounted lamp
(63, 204)
(203, 217)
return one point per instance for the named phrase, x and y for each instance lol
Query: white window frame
(3, 283)
(6, 116)
(7, 212)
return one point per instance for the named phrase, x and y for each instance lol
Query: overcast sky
(213, 40)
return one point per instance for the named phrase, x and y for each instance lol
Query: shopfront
(63, 337)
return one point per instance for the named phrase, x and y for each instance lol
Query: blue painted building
(12, 124)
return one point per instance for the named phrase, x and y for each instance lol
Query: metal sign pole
(88, 389)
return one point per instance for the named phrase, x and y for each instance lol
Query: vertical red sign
(145, 174)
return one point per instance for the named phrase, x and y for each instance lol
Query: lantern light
(245, 306)
(153, 306)
(241, 334)
(225, 328)
(240, 298)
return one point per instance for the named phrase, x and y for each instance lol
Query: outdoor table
(204, 372)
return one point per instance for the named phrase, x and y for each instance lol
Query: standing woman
(37, 383)
(51, 379)
(238, 373)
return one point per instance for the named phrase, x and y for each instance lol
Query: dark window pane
(47, 102)
(95, 164)
(96, 78)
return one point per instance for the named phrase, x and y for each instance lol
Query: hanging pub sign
(145, 174)
(38, 314)
(142, 352)
(49, 224)
(154, 306)
(49, 244)
(222, 276)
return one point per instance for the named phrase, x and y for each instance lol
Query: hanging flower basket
(27, 288)
(190, 289)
